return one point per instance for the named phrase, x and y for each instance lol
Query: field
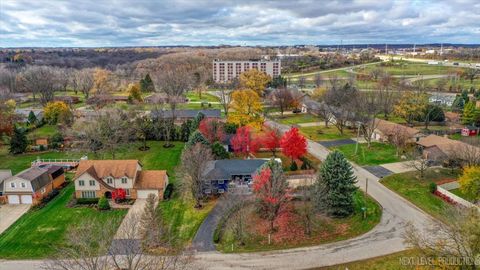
(293, 119)
(377, 154)
(409, 69)
(321, 133)
(43, 132)
(410, 186)
(460, 194)
(290, 232)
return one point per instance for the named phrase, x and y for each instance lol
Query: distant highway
(420, 60)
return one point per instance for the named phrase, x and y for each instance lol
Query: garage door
(143, 193)
(26, 199)
(13, 199)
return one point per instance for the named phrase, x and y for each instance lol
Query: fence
(455, 198)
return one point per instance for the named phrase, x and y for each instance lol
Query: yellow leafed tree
(57, 111)
(411, 105)
(255, 80)
(101, 81)
(134, 92)
(470, 182)
(246, 109)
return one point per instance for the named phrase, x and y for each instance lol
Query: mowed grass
(37, 233)
(391, 261)
(322, 133)
(293, 119)
(410, 186)
(377, 154)
(462, 195)
(206, 97)
(409, 68)
(45, 131)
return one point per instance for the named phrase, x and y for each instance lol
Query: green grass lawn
(410, 68)
(293, 119)
(460, 194)
(324, 229)
(377, 154)
(456, 136)
(43, 132)
(391, 261)
(206, 97)
(410, 186)
(37, 233)
(321, 133)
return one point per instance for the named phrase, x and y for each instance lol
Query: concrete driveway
(399, 167)
(9, 213)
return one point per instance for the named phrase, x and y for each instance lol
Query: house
(439, 148)
(470, 131)
(98, 178)
(31, 185)
(4, 174)
(385, 130)
(183, 115)
(218, 174)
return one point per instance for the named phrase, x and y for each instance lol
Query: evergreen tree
(185, 130)
(146, 84)
(465, 96)
(196, 137)
(219, 151)
(337, 186)
(196, 122)
(469, 114)
(32, 119)
(458, 103)
(18, 142)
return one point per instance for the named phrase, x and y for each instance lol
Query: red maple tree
(271, 141)
(293, 144)
(212, 130)
(243, 143)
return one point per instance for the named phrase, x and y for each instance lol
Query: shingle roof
(151, 179)
(445, 145)
(104, 168)
(4, 174)
(225, 168)
(387, 127)
(38, 177)
(213, 113)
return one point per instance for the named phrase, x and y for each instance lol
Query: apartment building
(224, 71)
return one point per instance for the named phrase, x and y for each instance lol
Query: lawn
(37, 233)
(286, 161)
(45, 131)
(410, 186)
(377, 154)
(321, 133)
(462, 195)
(409, 68)
(293, 119)
(194, 97)
(391, 261)
(290, 233)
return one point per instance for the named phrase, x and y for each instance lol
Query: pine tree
(32, 119)
(196, 122)
(219, 151)
(469, 114)
(185, 130)
(458, 103)
(196, 137)
(151, 229)
(18, 142)
(146, 84)
(338, 184)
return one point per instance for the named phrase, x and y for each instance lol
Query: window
(220, 181)
(109, 180)
(91, 182)
(127, 192)
(208, 191)
(12, 185)
(124, 180)
(221, 190)
(88, 194)
(43, 190)
(81, 183)
(23, 185)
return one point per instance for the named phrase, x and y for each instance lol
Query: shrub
(306, 163)
(293, 166)
(87, 201)
(50, 196)
(103, 204)
(167, 194)
(432, 187)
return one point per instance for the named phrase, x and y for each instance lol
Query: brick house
(98, 178)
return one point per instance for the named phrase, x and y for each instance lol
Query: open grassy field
(409, 68)
(206, 97)
(37, 233)
(290, 233)
(463, 83)
(377, 154)
(293, 119)
(321, 133)
(43, 132)
(410, 186)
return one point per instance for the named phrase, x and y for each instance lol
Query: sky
(105, 23)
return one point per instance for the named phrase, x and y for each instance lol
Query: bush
(219, 151)
(230, 128)
(293, 166)
(432, 187)
(306, 164)
(167, 194)
(50, 196)
(103, 204)
(87, 201)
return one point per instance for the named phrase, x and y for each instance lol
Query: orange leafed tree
(293, 144)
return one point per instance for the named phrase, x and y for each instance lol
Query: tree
(411, 105)
(470, 74)
(293, 144)
(340, 102)
(458, 103)
(219, 151)
(318, 80)
(243, 142)
(339, 181)
(185, 130)
(193, 162)
(146, 84)
(151, 227)
(225, 99)
(18, 141)
(368, 106)
(255, 80)
(432, 112)
(32, 119)
(143, 127)
(399, 137)
(134, 93)
(57, 112)
(456, 240)
(470, 182)
(282, 99)
(386, 94)
(212, 130)
(419, 161)
(196, 121)
(41, 80)
(247, 109)
(113, 131)
(270, 189)
(469, 114)
(466, 153)
(271, 140)
(196, 137)
(56, 141)
(102, 82)
(324, 111)
(83, 81)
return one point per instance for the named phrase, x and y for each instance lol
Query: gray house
(218, 174)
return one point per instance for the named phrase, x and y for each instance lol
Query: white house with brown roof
(97, 178)
(385, 130)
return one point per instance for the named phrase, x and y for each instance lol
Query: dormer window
(124, 180)
(109, 180)
(23, 185)
(12, 185)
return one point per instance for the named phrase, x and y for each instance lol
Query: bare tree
(466, 152)
(458, 239)
(318, 80)
(281, 98)
(386, 94)
(39, 80)
(143, 127)
(82, 80)
(193, 163)
(367, 107)
(302, 82)
(399, 137)
(418, 161)
(340, 102)
(306, 206)
(225, 98)
(8, 80)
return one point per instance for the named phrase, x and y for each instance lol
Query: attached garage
(26, 199)
(13, 199)
(143, 193)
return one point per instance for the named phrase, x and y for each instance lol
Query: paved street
(9, 213)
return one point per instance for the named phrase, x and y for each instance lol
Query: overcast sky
(213, 22)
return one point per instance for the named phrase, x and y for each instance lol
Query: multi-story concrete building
(224, 71)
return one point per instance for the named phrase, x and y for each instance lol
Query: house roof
(443, 144)
(4, 174)
(103, 168)
(225, 168)
(212, 113)
(38, 177)
(151, 179)
(387, 127)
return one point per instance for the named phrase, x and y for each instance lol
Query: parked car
(455, 64)
(297, 110)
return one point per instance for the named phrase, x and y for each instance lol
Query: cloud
(211, 22)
